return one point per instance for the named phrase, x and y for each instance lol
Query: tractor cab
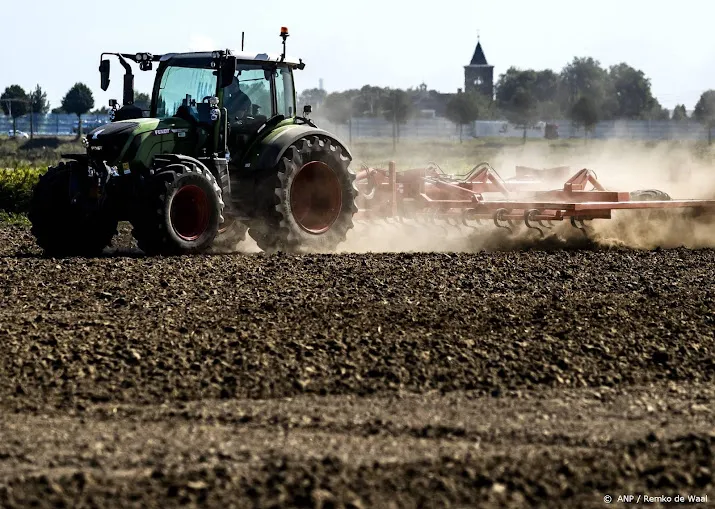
(214, 103)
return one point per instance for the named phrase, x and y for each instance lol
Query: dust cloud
(674, 168)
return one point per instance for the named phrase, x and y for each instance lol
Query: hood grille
(105, 143)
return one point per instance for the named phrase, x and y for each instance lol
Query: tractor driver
(236, 101)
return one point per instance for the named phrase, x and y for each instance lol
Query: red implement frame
(429, 191)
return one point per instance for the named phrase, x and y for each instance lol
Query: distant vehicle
(17, 134)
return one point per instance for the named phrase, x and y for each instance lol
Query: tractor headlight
(85, 143)
(213, 101)
(138, 57)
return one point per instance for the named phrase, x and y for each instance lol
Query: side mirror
(307, 110)
(228, 69)
(113, 103)
(104, 73)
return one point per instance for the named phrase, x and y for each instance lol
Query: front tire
(307, 201)
(183, 211)
(63, 222)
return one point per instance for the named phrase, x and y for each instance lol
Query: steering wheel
(206, 99)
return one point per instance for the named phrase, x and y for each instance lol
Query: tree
(142, 101)
(369, 100)
(397, 107)
(633, 93)
(516, 97)
(511, 81)
(584, 77)
(337, 108)
(78, 101)
(585, 114)
(525, 95)
(680, 113)
(656, 112)
(40, 104)
(463, 109)
(545, 86)
(15, 103)
(704, 112)
(314, 97)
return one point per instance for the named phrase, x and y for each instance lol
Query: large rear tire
(183, 211)
(63, 223)
(651, 195)
(307, 201)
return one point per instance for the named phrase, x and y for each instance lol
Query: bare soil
(509, 379)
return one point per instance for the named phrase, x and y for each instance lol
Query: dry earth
(510, 379)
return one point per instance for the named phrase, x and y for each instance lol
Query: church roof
(479, 58)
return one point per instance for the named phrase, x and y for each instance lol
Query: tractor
(221, 153)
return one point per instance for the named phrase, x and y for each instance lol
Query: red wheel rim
(316, 197)
(190, 212)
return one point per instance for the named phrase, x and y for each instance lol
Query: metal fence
(441, 128)
(618, 129)
(416, 128)
(52, 124)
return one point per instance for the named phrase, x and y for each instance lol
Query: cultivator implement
(429, 194)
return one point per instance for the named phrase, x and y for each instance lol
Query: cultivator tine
(434, 217)
(452, 221)
(465, 218)
(499, 220)
(579, 224)
(467, 225)
(529, 217)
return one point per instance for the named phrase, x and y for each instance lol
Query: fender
(266, 153)
(166, 159)
(218, 169)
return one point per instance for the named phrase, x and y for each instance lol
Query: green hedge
(16, 188)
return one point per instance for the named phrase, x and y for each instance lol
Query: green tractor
(221, 153)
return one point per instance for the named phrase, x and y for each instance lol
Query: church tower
(479, 75)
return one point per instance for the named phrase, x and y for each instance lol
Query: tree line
(583, 91)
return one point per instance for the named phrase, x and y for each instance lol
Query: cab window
(177, 83)
(285, 93)
(250, 93)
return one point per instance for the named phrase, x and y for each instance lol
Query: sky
(56, 43)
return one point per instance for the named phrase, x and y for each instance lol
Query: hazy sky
(387, 43)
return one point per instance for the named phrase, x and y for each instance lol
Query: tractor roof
(203, 58)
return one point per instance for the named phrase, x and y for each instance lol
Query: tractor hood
(108, 142)
(122, 128)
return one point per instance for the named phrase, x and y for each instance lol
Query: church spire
(479, 58)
